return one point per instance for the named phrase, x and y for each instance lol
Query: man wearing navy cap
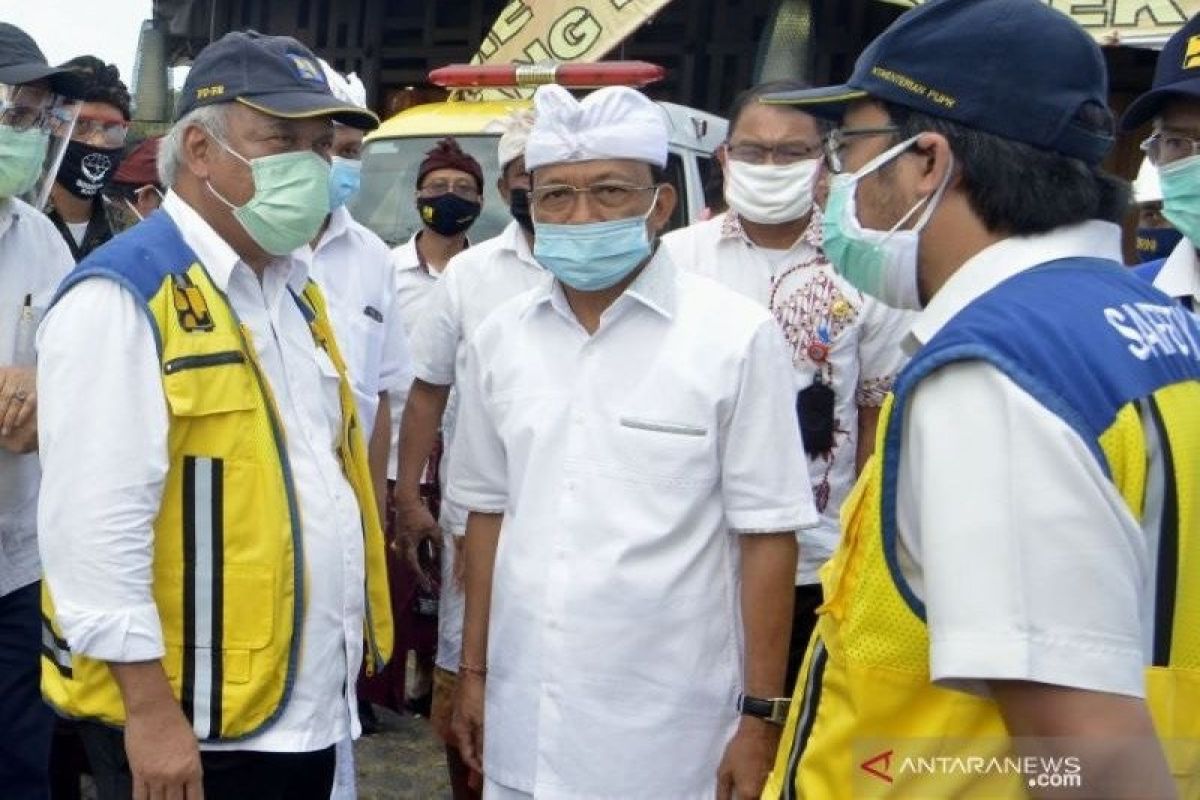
(33, 259)
(1173, 105)
(1017, 568)
(208, 525)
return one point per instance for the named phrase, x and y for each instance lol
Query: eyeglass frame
(537, 194)
(771, 151)
(429, 193)
(1147, 145)
(835, 140)
(51, 114)
(79, 134)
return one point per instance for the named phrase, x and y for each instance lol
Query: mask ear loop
(929, 201)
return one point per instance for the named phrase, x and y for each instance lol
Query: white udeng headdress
(613, 122)
(348, 89)
(514, 135)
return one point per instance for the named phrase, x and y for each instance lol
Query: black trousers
(228, 774)
(26, 722)
(804, 620)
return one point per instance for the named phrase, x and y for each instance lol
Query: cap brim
(826, 102)
(1148, 106)
(63, 81)
(307, 105)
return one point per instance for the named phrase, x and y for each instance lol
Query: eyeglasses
(835, 143)
(781, 154)
(467, 190)
(1163, 147)
(100, 132)
(558, 199)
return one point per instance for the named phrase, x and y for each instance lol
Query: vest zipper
(205, 360)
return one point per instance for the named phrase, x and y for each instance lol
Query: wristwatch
(773, 710)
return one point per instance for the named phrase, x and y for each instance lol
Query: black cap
(1014, 68)
(21, 61)
(273, 74)
(1177, 75)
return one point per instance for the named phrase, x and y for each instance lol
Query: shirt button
(570, 486)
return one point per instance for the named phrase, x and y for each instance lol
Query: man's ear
(934, 148)
(664, 207)
(198, 151)
(503, 190)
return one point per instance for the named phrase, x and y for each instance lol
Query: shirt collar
(339, 225)
(513, 240)
(406, 254)
(8, 214)
(732, 228)
(997, 263)
(656, 288)
(1180, 273)
(218, 258)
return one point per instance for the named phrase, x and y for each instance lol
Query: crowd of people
(884, 481)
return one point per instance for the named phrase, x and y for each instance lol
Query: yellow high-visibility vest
(228, 569)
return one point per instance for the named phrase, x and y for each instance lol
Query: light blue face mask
(1181, 196)
(593, 256)
(345, 176)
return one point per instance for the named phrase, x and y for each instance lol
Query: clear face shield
(35, 128)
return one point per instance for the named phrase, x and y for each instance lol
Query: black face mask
(518, 206)
(85, 169)
(448, 214)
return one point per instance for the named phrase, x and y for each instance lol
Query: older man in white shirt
(207, 525)
(628, 452)
(845, 347)
(33, 259)
(474, 284)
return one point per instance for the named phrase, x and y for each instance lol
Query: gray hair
(212, 119)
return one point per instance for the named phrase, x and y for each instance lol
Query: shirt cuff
(478, 502)
(964, 661)
(773, 520)
(125, 636)
(434, 377)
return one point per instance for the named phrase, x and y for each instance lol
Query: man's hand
(414, 524)
(164, 758)
(18, 401)
(468, 719)
(748, 759)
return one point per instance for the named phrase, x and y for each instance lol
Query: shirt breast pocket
(667, 450)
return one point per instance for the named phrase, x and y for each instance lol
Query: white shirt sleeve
(396, 366)
(437, 333)
(478, 479)
(102, 429)
(764, 478)
(1029, 564)
(880, 356)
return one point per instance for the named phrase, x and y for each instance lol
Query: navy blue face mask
(1155, 243)
(448, 214)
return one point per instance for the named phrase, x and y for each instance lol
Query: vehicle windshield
(387, 201)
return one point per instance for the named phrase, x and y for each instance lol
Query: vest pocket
(212, 381)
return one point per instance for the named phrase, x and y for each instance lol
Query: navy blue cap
(1176, 75)
(21, 61)
(1017, 69)
(273, 74)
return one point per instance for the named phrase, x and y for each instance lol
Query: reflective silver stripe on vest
(203, 558)
(56, 649)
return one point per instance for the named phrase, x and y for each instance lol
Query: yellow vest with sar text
(228, 566)
(1120, 363)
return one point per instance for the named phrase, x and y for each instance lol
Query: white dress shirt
(474, 284)
(413, 281)
(623, 463)
(33, 259)
(1180, 274)
(105, 462)
(1030, 564)
(832, 331)
(354, 270)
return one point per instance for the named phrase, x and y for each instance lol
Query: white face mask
(771, 194)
